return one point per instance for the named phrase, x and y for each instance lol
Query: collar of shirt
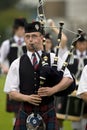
(29, 53)
(79, 53)
(16, 38)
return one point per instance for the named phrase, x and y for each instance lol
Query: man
(11, 49)
(82, 89)
(79, 61)
(24, 82)
(80, 57)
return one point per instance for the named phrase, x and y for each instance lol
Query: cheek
(38, 41)
(49, 45)
(25, 40)
(21, 32)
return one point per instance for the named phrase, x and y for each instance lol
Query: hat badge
(37, 27)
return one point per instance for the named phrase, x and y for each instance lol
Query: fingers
(35, 100)
(43, 92)
(36, 104)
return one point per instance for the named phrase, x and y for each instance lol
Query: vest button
(35, 85)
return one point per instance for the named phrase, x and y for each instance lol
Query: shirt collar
(16, 38)
(29, 53)
(79, 53)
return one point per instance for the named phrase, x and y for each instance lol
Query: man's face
(34, 38)
(20, 31)
(48, 45)
(81, 46)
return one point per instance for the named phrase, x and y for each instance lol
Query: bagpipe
(49, 75)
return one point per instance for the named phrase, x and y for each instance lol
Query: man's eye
(34, 36)
(27, 37)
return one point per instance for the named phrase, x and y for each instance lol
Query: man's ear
(42, 37)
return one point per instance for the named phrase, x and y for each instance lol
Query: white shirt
(12, 80)
(61, 52)
(83, 82)
(6, 46)
(77, 56)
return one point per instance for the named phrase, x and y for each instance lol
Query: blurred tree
(4, 4)
(6, 21)
(9, 10)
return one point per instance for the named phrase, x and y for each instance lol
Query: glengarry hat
(33, 27)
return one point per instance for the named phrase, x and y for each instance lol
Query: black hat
(33, 27)
(83, 36)
(19, 22)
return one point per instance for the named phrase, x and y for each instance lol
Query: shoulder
(5, 43)
(14, 68)
(52, 56)
(15, 63)
(85, 69)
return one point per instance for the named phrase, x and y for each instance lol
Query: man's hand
(34, 99)
(4, 69)
(45, 91)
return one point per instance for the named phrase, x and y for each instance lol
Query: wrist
(55, 89)
(25, 98)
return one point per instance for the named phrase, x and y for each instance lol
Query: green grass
(67, 125)
(6, 118)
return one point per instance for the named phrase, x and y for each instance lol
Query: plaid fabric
(11, 105)
(20, 123)
(46, 111)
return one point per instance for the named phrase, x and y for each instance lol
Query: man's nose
(30, 38)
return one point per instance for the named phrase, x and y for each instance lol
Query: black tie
(34, 61)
